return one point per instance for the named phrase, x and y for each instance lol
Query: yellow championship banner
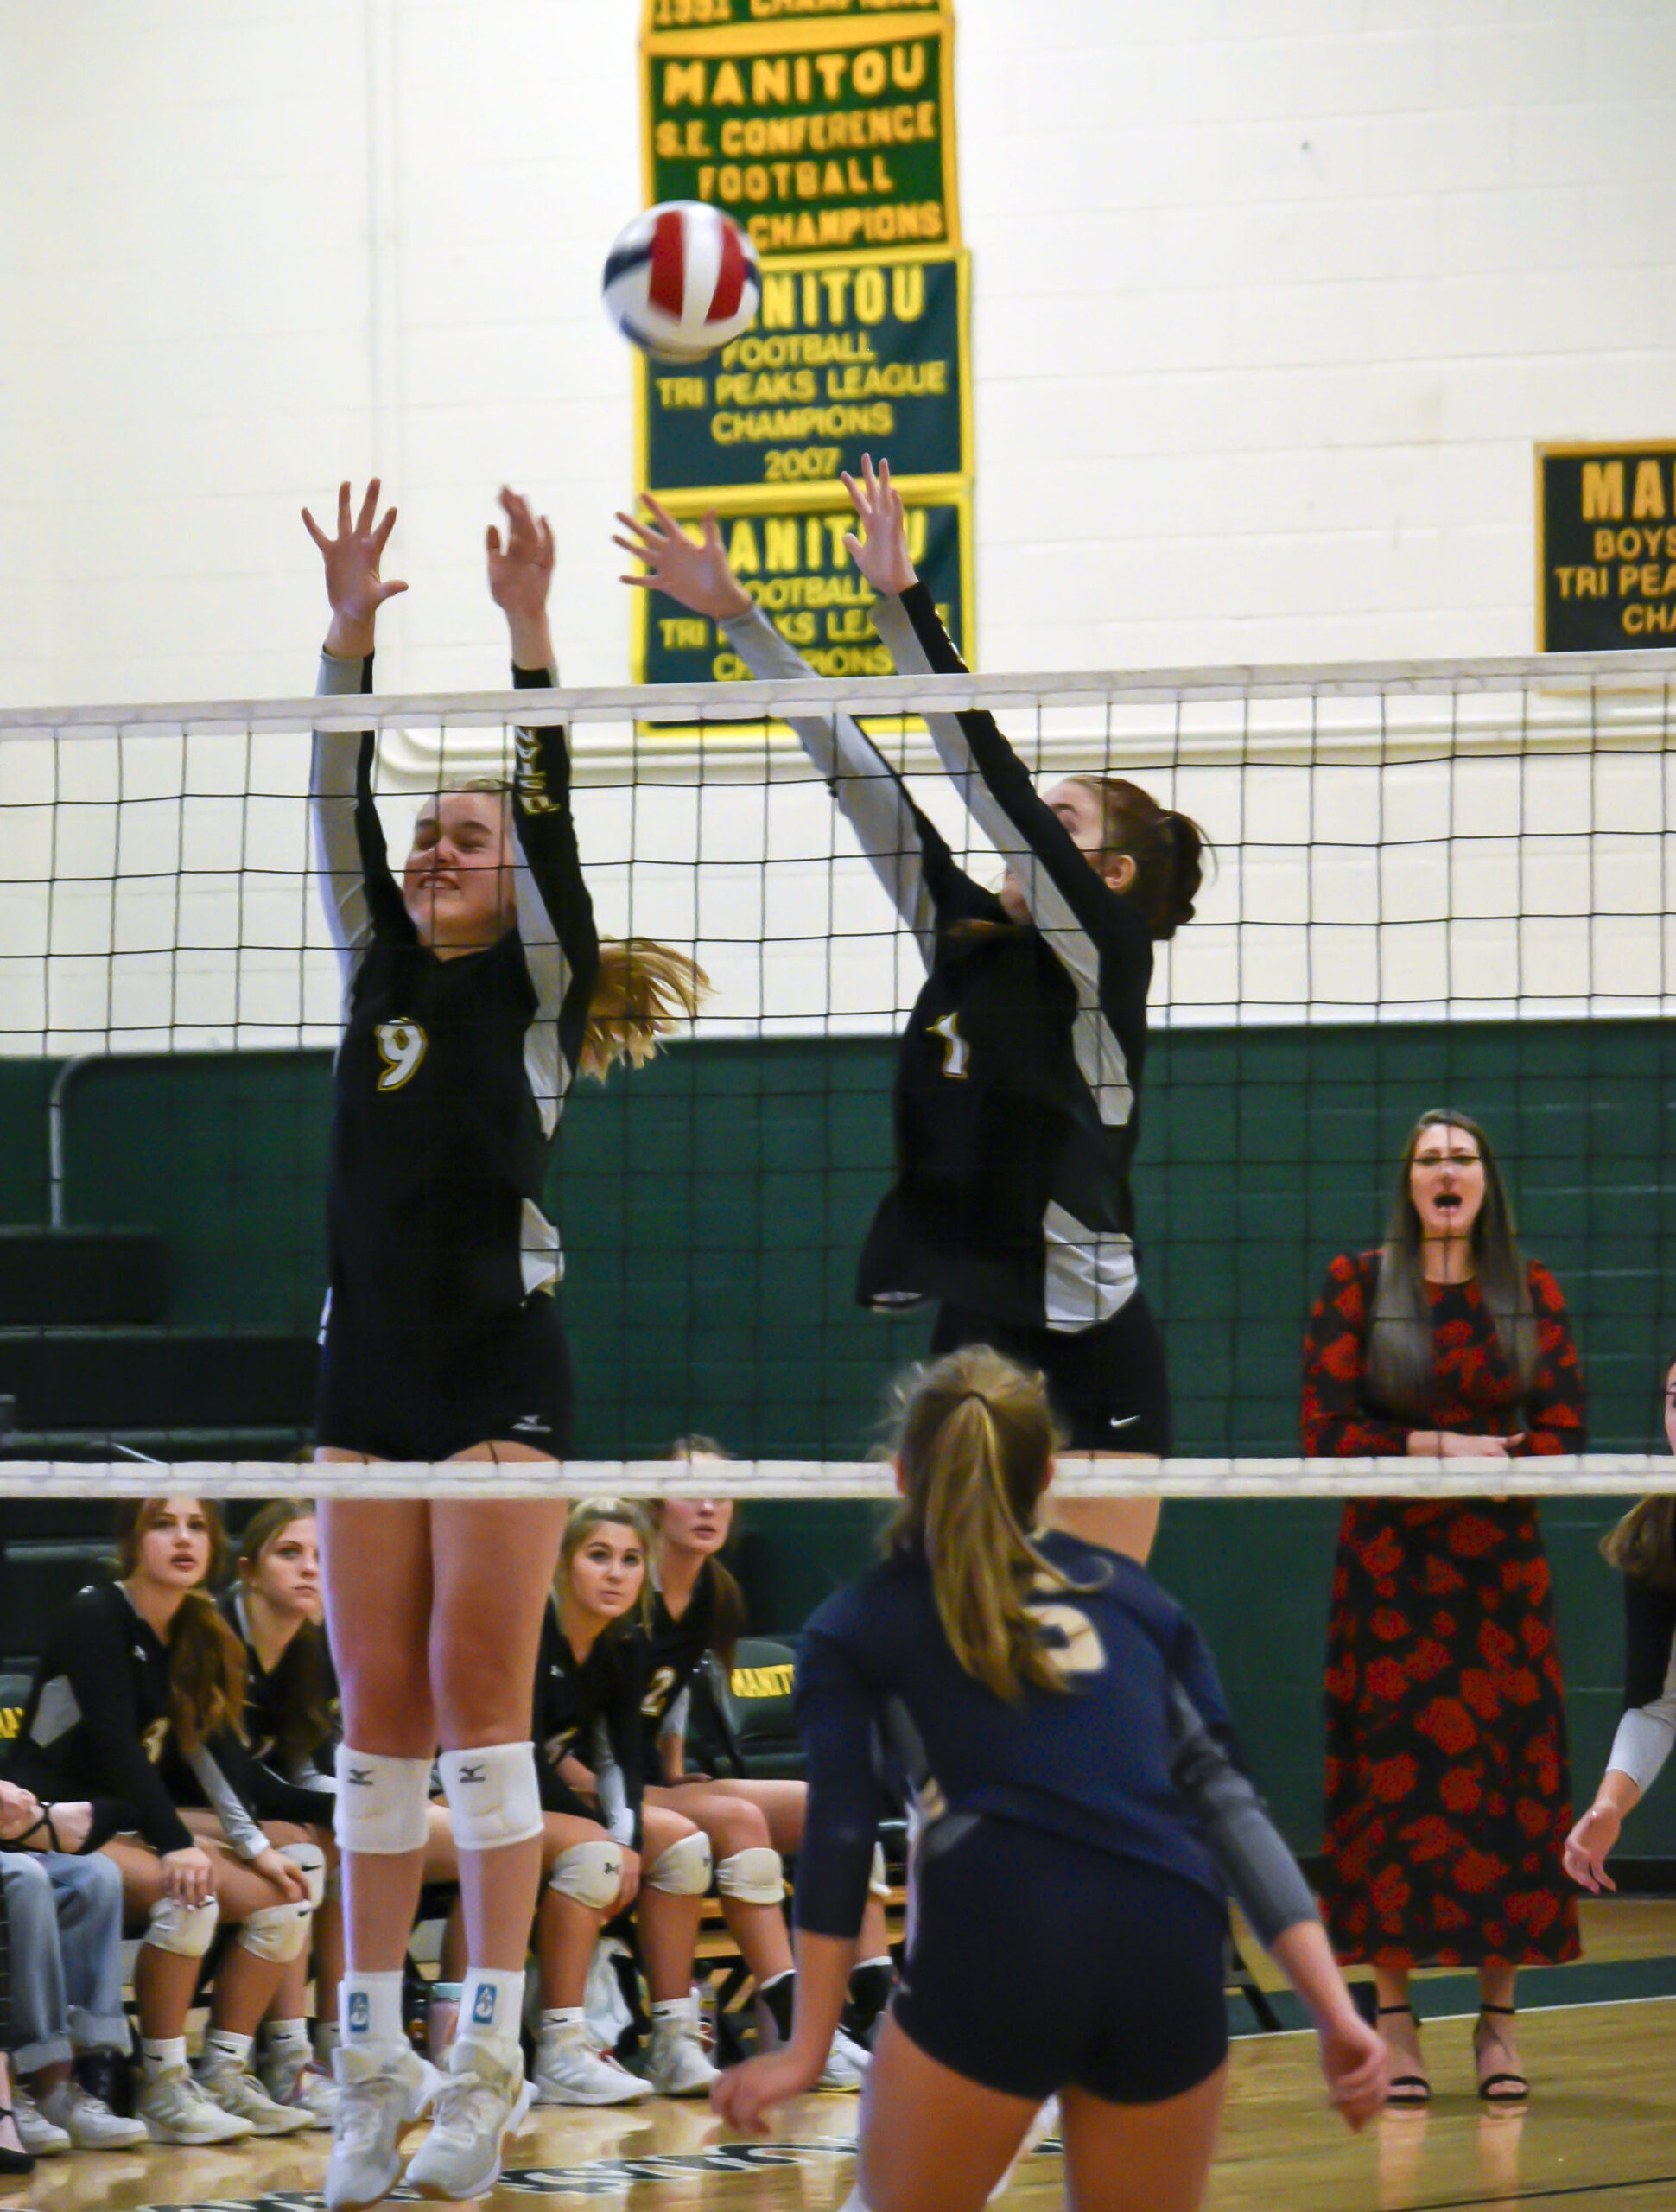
(818, 132)
(1606, 546)
(845, 357)
(793, 563)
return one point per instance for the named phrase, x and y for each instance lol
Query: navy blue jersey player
(475, 990)
(1060, 1722)
(1017, 1091)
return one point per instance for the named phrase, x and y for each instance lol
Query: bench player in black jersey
(475, 990)
(134, 1706)
(1018, 1082)
(1061, 1723)
(697, 1613)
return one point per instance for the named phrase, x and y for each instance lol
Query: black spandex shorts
(1108, 1385)
(405, 1397)
(1092, 1970)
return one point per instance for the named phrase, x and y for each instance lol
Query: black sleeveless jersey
(451, 1074)
(1016, 1106)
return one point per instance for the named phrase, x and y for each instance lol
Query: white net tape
(1612, 1474)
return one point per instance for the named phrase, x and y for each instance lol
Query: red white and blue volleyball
(682, 280)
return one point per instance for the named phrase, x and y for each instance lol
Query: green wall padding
(712, 1205)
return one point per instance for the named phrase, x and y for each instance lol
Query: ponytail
(975, 1443)
(643, 992)
(1168, 850)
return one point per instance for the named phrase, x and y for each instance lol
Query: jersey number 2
(401, 1046)
(955, 1048)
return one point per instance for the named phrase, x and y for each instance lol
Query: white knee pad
(755, 1876)
(684, 1869)
(276, 1931)
(383, 1805)
(591, 1873)
(878, 1882)
(185, 1930)
(312, 1860)
(492, 1794)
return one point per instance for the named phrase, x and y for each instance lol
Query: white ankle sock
(159, 2053)
(370, 2009)
(221, 2043)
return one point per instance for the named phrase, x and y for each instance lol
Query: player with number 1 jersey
(1018, 1090)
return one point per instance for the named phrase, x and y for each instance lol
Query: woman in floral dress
(1447, 1784)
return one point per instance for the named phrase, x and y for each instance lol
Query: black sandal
(1406, 2089)
(1500, 2088)
(14, 2162)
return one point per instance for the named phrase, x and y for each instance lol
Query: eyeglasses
(1446, 1160)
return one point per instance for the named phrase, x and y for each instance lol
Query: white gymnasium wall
(1271, 302)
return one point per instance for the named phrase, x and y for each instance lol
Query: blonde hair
(608, 1513)
(975, 1440)
(643, 992)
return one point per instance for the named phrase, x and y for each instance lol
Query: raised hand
(882, 556)
(353, 582)
(520, 576)
(695, 575)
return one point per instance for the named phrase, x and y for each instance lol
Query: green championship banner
(794, 565)
(1606, 546)
(845, 357)
(830, 133)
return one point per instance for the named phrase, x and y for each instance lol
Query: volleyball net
(1435, 884)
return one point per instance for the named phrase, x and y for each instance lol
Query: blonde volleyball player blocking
(475, 990)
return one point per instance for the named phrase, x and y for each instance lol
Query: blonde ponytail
(644, 991)
(975, 1442)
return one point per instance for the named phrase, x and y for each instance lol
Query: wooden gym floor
(1598, 2134)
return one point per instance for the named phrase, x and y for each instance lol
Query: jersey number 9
(401, 1046)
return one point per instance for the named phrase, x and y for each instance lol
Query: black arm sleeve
(561, 942)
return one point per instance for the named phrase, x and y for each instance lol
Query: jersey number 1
(955, 1048)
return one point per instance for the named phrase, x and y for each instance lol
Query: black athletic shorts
(1108, 1385)
(1090, 1970)
(405, 1397)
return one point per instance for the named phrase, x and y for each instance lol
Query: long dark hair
(1401, 1351)
(1644, 1544)
(206, 1668)
(302, 1679)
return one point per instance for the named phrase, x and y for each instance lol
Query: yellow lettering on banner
(771, 83)
(780, 543)
(898, 379)
(683, 634)
(683, 80)
(681, 391)
(1635, 544)
(1649, 498)
(728, 86)
(1641, 620)
(742, 556)
(1603, 491)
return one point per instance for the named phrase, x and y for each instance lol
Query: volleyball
(682, 280)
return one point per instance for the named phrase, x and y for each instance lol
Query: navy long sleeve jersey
(1017, 1097)
(451, 1074)
(878, 1689)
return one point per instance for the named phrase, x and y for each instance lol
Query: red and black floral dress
(1448, 1782)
